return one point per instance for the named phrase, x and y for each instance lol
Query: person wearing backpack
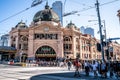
(77, 65)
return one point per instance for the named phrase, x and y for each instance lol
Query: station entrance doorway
(45, 53)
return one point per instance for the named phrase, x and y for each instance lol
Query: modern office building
(4, 40)
(87, 30)
(82, 29)
(57, 7)
(6, 52)
(90, 31)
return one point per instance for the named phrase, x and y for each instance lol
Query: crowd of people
(97, 67)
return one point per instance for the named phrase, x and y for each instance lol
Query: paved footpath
(68, 76)
(8, 72)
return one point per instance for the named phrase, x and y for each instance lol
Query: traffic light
(98, 47)
(107, 53)
(104, 43)
(111, 54)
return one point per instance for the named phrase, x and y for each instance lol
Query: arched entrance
(45, 53)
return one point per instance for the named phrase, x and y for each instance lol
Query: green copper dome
(21, 25)
(46, 15)
(69, 25)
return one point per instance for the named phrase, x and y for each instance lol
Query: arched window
(23, 43)
(67, 39)
(24, 38)
(67, 45)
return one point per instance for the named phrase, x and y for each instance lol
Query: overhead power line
(14, 15)
(34, 3)
(91, 7)
(108, 2)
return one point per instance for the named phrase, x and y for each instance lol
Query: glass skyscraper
(82, 29)
(4, 40)
(87, 30)
(90, 31)
(58, 8)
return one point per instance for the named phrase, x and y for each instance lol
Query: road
(8, 72)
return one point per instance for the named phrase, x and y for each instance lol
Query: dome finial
(21, 21)
(70, 21)
(46, 6)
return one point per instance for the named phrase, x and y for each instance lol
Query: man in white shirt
(94, 67)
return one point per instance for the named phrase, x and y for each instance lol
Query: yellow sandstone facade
(47, 39)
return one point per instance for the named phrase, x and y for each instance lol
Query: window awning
(7, 49)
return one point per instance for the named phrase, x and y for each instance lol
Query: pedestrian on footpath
(116, 69)
(111, 69)
(69, 64)
(94, 68)
(87, 68)
(99, 68)
(77, 65)
(104, 69)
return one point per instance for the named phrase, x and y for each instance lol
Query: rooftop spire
(46, 6)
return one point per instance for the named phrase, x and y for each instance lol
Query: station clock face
(46, 29)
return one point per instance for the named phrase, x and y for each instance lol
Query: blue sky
(108, 13)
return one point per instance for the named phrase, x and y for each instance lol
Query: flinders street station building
(47, 39)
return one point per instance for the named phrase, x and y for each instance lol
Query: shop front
(45, 53)
(7, 53)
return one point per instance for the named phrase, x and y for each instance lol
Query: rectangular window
(45, 36)
(13, 45)
(19, 46)
(25, 46)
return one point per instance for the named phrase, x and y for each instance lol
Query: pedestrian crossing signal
(107, 52)
(111, 54)
(99, 47)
